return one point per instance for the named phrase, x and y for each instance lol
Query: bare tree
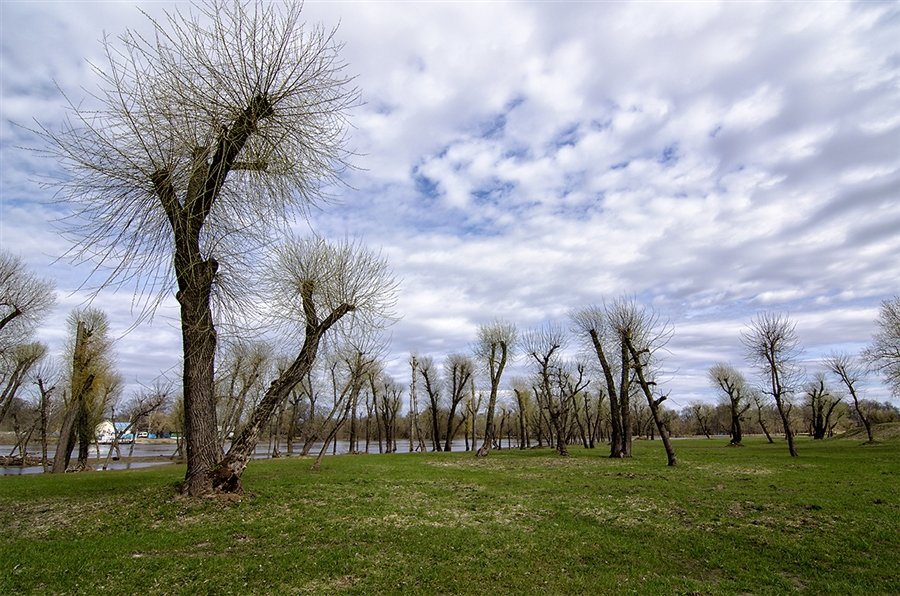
(495, 346)
(821, 402)
(243, 373)
(16, 365)
(458, 371)
(761, 407)
(772, 345)
(416, 438)
(316, 285)
(701, 413)
(472, 408)
(558, 382)
(643, 335)
(210, 134)
(388, 400)
(46, 378)
(433, 388)
(593, 324)
(734, 386)
(523, 405)
(850, 372)
(24, 300)
(883, 355)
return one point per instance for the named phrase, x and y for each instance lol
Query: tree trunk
(788, 431)
(226, 475)
(45, 406)
(198, 334)
(66, 442)
(654, 405)
(736, 435)
(496, 372)
(762, 424)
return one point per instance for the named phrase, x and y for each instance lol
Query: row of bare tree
(211, 136)
(773, 348)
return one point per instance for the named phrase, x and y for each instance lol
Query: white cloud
(522, 159)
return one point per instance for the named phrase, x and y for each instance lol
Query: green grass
(726, 520)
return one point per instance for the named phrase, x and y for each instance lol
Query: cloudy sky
(519, 160)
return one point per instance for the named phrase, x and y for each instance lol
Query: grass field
(726, 520)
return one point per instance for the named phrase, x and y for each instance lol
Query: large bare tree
(601, 330)
(642, 335)
(316, 286)
(16, 367)
(883, 354)
(205, 138)
(773, 347)
(495, 346)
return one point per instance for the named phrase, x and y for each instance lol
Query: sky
(518, 160)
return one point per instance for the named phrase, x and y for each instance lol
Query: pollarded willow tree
(24, 300)
(495, 346)
(207, 138)
(317, 287)
(626, 339)
(883, 355)
(773, 347)
(733, 384)
(643, 335)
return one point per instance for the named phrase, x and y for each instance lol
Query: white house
(106, 431)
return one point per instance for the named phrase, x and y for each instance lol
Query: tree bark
(66, 441)
(198, 334)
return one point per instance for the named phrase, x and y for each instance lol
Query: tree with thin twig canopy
(208, 137)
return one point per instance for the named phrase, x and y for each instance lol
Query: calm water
(164, 451)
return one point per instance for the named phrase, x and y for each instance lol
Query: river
(151, 453)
